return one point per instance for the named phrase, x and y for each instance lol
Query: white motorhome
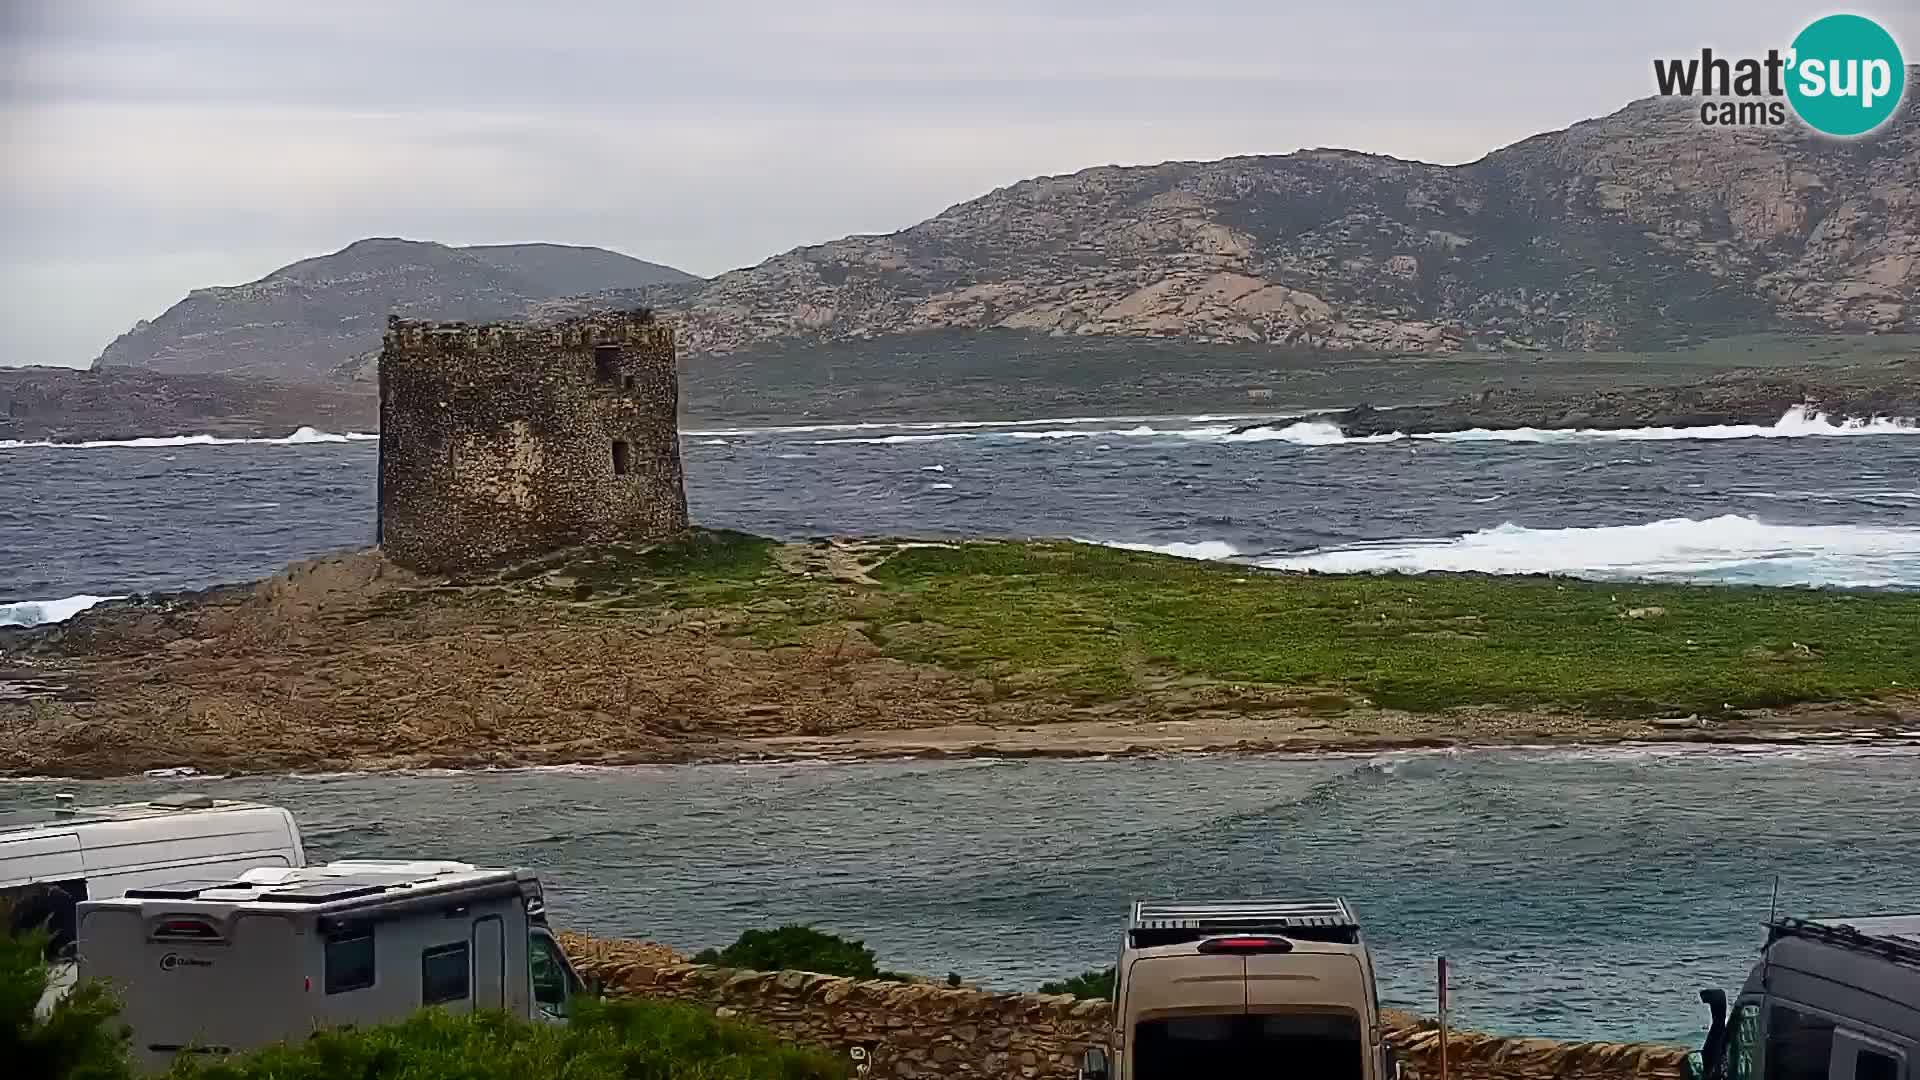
(53, 857)
(216, 966)
(1227, 989)
(1830, 999)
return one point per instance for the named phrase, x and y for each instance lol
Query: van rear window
(1237, 1046)
(349, 962)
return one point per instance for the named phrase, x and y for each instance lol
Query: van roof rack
(1895, 937)
(1179, 922)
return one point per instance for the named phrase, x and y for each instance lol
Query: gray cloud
(153, 146)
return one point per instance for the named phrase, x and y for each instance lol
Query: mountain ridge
(299, 322)
(1639, 230)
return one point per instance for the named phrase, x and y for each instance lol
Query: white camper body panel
(106, 850)
(235, 969)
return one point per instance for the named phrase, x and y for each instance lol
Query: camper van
(1224, 990)
(215, 965)
(53, 857)
(1830, 999)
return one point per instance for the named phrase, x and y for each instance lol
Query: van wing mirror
(1093, 1064)
(1714, 1051)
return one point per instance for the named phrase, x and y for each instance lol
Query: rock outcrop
(918, 1030)
(302, 322)
(1749, 397)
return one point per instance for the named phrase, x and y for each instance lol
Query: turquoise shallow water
(1580, 894)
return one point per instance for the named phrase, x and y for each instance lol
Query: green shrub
(797, 948)
(1087, 984)
(613, 1040)
(81, 1037)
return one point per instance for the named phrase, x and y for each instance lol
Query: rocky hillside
(301, 322)
(1630, 231)
(1639, 230)
(69, 405)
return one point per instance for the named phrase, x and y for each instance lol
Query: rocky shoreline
(1758, 398)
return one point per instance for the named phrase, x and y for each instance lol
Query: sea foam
(300, 437)
(40, 612)
(1797, 422)
(1730, 548)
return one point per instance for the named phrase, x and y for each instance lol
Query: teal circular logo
(1847, 75)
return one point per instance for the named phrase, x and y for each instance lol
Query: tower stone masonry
(505, 441)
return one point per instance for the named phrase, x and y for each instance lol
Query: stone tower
(501, 442)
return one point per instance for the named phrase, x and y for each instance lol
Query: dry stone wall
(913, 1030)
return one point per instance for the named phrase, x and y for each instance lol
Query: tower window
(622, 457)
(606, 363)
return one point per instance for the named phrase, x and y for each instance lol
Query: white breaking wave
(1729, 548)
(1211, 550)
(300, 436)
(960, 425)
(1797, 422)
(1301, 433)
(41, 612)
(1726, 549)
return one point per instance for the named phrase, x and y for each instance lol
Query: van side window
(1799, 1045)
(444, 972)
(349, 961)
(1873, 1065)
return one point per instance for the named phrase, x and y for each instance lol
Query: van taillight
(194, 929)
(1246, 945)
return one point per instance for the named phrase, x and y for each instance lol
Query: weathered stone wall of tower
(504, 441)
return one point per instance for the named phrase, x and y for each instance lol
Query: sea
(1576, 893)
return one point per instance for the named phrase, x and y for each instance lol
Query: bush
(80, 1038)
(614, 1040)
(797, 948)
(1087, 984)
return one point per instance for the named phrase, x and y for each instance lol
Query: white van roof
(56, 817)
(328, 889)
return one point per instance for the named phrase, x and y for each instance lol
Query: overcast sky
(148, 147)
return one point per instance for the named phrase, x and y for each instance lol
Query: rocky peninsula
(721, 646)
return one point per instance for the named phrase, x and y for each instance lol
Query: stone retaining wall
(914, 1030)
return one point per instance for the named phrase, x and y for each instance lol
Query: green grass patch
(1097, 623)
(1098, 619)
(613, 1040)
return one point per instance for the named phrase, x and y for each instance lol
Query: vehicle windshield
(549, 971)
(1274, 1046)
